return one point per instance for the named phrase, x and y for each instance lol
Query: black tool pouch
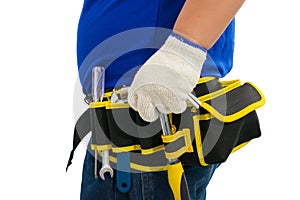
(225, 122)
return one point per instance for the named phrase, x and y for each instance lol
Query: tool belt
(225, 122)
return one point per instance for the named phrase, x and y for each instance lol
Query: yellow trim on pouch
(239, 114)
(197, 133)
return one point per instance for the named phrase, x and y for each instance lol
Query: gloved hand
(163, 83)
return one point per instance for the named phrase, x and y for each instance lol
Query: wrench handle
(105, 157)
(97, 95)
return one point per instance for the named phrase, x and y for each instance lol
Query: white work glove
(163, 83)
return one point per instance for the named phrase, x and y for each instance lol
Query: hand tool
(105, 165)
(174, 165)
(180, 192)
(123, 175)
(95, 96)
(100, 93)
(98, 79)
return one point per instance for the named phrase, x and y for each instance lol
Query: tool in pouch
(98, 79)
(123, 176)
(236, 117)
(176, 176)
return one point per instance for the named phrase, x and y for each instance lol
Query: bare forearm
(203, 21)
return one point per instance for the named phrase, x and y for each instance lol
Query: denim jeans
(145, 186)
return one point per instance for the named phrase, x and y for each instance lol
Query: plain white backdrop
(38, 78)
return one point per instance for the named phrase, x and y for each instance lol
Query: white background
(38, 77)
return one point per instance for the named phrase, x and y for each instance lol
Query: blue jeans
(145, 186)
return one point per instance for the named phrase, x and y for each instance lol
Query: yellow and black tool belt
(225, 122)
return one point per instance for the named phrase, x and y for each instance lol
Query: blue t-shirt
(121, 35)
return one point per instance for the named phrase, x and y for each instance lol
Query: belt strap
(83, 125)
(241, 101)
(82, 128)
